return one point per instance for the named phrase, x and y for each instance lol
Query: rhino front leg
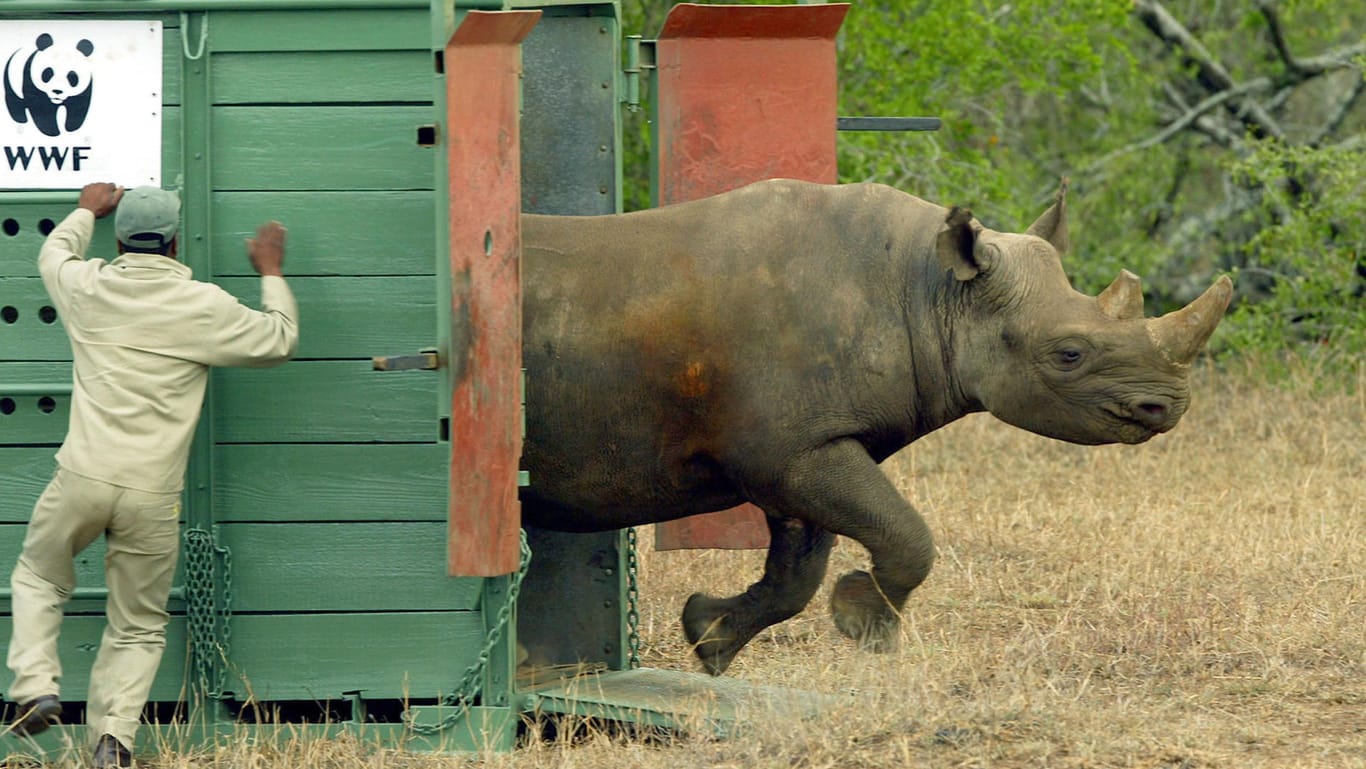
(840, 488)
(719, 627)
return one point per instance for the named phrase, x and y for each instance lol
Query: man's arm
(242, 336)
(69, 240)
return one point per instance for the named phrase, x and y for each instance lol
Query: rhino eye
(1068, 357)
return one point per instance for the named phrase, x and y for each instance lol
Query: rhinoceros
(775, 343)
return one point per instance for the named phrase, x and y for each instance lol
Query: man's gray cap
(148, 217)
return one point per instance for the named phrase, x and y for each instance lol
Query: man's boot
(36, 715)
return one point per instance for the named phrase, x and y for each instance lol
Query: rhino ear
(956, 245)
(1052, 225)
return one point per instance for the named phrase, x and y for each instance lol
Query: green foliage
(1310, 259)
(1030, 91)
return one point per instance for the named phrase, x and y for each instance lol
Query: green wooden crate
(322, 485)
(323, 482)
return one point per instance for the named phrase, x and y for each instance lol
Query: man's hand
(100, 198)
(267, 250)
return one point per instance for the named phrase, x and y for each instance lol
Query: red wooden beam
(745, 93)
(483, 64)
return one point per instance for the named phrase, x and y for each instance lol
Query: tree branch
(1313, 66)
(1192, 114)
(1209, 71)
(1206, 124)
(1335, 121)
(1273, 26)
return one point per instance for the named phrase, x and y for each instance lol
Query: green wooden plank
(170, 147)
(311, 77)
(24, 473)
(330, 233)
(354, 317)
(28, 423)
(80, 640)
(346, 482)
(324, 402)
(171, 60)
(320, 148)
(19, 253)
(322, 656)
(329, 30)
(342, 567)
(35, 332)
(674, 699)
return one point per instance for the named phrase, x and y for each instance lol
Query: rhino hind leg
(718, 628)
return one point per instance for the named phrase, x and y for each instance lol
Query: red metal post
(483, 64)
(745, 93)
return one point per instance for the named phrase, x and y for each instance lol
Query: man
(143, 336)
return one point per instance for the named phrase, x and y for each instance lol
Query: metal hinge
(425, 360)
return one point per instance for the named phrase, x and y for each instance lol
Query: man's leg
(67, 518)
(144, 538)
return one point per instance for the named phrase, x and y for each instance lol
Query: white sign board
(82, 103)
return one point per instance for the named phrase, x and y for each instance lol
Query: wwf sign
(82, 103)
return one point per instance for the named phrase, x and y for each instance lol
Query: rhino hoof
(706, 627)
(861, 612)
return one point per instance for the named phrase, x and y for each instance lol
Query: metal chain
(632, 596)
(462, 698)
(208, 608)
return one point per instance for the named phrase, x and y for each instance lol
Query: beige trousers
(143, 535)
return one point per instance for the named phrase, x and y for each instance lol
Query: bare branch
(1334, 121)
(1273, 26)
(1206, 124)
(1192, 114)
(1304, 69)
(1338, 58)
(1211, 73)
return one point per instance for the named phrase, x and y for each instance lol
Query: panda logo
(42, 80)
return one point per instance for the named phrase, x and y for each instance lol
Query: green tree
(1199, 138)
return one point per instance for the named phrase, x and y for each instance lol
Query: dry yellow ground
(1198, 601)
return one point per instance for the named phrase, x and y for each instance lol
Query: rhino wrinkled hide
(775, 343)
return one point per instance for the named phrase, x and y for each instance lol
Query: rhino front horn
(1181, 333)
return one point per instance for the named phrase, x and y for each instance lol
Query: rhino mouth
(1131, 428)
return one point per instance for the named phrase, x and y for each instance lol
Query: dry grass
(1199, 601)
(1196, 601)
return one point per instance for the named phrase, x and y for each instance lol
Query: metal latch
(425, 360)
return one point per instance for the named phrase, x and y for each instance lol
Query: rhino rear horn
(956, 245)
(1122, 299)
(1180, 334)
(1052, 224)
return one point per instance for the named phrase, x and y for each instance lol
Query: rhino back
(677, 355)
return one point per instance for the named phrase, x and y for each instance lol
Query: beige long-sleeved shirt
(143, 336)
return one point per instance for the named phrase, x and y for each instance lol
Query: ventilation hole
(6, 406)
(488, 242)
(9, 314)
(439, 62)
(46, 404)
(46, 226)
(47, 314)
(426, 135)
(11, 227)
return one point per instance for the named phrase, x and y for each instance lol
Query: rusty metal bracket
(426, 360)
